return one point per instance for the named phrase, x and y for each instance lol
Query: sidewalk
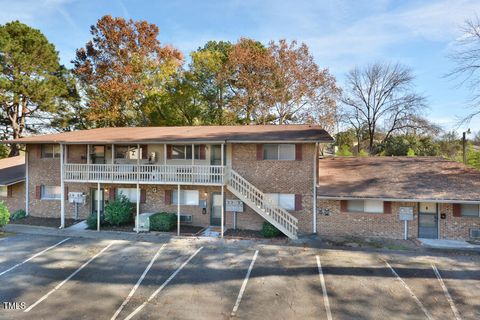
(449, 244)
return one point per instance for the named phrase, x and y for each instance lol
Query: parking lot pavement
(192, 279)
(285, 283)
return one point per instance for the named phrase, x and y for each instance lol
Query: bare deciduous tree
(381, 97)
(467, 59)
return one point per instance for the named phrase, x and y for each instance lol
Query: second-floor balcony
(145, 173)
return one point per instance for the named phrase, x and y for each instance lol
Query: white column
(62, 187)
(193, 154)
(315, 174)
(164, 153)
(88, 161)
(27, 183)
(178, 210)
(138, 207)
(113, 154)
(138, 163)
(223, 195)
(98, 206)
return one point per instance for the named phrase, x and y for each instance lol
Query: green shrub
(19, 214)
(119, 211)
(269, 231)
(92, 221)
(163, 221)
(363, 153)
(4, 215)
(410, 152)
(344, 151)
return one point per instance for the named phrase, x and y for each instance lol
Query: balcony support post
(138, 163)
(88, 162)
(62, 186)
(113, 161)
(138, 208)
(223, 193)
(98, 206)
(178, 210)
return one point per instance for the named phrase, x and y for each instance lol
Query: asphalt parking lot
(47, 277)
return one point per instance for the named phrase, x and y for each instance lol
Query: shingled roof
(12, 170)
(211, 134)
(402, 178)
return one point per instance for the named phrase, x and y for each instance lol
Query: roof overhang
(399, 199)
(11, 183)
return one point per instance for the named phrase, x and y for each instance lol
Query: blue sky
(340, 34)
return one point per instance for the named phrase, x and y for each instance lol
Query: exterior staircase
(258, 201)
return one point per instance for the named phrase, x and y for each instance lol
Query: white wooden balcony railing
(145, 173)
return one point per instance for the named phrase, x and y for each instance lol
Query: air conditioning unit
(144, 221)
(475, 233)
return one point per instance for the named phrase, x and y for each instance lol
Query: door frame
(212, 194)
(94, 201)
(436, 214)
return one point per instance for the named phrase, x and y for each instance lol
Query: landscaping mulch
(249, 234)
(44, 222)
(125, 228)
(374, 242)
(190, 230)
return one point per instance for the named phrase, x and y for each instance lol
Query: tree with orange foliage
(119, 67)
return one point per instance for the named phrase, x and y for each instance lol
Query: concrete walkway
(449, 244)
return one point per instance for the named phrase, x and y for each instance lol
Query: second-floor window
(128, 152)
(279, 152)
(184, 152)
(51, 192)
(50, 151)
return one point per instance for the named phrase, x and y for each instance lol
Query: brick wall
(272, 176)
(364, 224)
(16, 198)
(389, 225)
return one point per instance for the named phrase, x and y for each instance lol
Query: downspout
(27, 188)
(315, 160)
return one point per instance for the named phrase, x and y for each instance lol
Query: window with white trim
(130, 193)
(470, 210)
(366, 206)
(187, 197)
(128, 152)
(283, 200)
(184, 152)
(50, 151)
(279, 151)
(51, 193)
(3, 191)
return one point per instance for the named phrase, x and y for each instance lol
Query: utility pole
(464, 145)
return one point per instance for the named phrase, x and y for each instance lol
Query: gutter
(399, 199)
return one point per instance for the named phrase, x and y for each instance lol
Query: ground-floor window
(130, 193)
(470, 210)
(3, 191)
(367, 206)
(284, 200)
(187, 197)
(51, 192)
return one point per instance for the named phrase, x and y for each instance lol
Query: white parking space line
(153, 295)
(68, 278)
(419, 303)
(244, 284)
(138, 283)
(34, 256)
(324, 290)
(447, 294)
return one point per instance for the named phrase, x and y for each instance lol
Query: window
(470, 210)
(279, 152)
(128, 152)
(368, 206)
(284, 200)
(51, 193)
(130, 193)
(3, 191)
(184, 152)
(187, 197)
(50, 151)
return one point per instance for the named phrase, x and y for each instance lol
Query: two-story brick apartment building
(188, 170)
